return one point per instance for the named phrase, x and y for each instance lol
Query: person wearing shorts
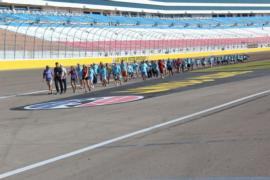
(48, 76)
(109, 72)
(85, 78)
(170, 67)
(143, 68)
(136, 69)
(73, 78)
(103, 75)
(130, 71)
(116, 70)
(91, 76)
(124, 71)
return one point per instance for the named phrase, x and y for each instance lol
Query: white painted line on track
(34, 92)
(22, 94)
(126, 136)
(26, 94)
(6, 97)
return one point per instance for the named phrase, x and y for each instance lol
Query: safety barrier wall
(27, 46)
(36, 64)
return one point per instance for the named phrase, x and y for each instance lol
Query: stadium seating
(79, 35)
(46, 17)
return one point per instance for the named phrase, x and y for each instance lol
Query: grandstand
(43, 34)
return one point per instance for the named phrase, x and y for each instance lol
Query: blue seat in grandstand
(81, 19)
(101, 18)
(49, 18)
(124, 20)
(98, 19)
(24, 17)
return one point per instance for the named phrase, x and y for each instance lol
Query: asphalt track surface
(233, 141)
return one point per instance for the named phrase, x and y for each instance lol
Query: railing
(47, 41)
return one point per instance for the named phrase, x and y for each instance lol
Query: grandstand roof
(159, 6)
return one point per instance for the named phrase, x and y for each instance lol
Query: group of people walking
(86, 76)
(58, 75)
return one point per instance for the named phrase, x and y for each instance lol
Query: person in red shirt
(161, 67)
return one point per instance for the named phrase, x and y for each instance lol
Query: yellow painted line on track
(221, 75)
(36, 64)
(163, 87)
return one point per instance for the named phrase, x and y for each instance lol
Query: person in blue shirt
(189, 64)
(183, 66)
(130, 71)
(170, 67)
(116, 70)
(192, 61)
(154, 69)
(79, 70)
(198, 63)
(96, 69)
(203, 62)
(123, 66)
(48, 76)
(99, 71)
(143, 69)
(91, 76)
(149, 69)
(135, 69)
(95, 66)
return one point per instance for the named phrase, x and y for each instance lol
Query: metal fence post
(105, 31)
(83, 45)
(35, 37)
(43, 39)
(74, 37)
(15, 39)
(59, 40)
(66, 41)
(137, 39)
(5, 39)
(97, 34)
(123, 34)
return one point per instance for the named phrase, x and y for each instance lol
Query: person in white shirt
(64, 77)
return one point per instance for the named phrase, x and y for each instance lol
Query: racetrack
(230, 141)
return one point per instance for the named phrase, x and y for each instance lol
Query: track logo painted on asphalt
(167, 86)
(86, 102)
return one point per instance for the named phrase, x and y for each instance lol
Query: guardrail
(57, 41)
